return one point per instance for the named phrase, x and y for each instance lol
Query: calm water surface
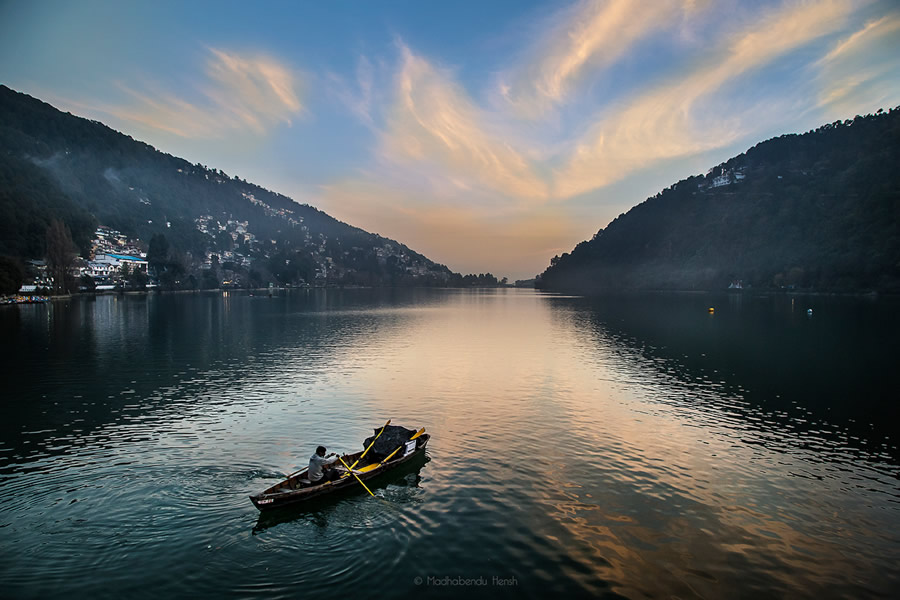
(635, 447)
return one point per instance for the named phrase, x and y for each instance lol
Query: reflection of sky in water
(607, 427)
(580, 446)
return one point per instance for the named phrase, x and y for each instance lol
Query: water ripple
(579, 449)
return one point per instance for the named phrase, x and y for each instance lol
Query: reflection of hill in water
(820, 381)
(76, 366)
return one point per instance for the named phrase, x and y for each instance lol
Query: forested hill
(817, 211)
(54, 165)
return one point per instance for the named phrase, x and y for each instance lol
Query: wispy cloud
(452, 168)
(433, 121)
(556, 116)
(436, 124)
(683, 118)
(258, 91)
(860, 40)
(358, 97)
(591, 35)
(862, 72)
(236, 93)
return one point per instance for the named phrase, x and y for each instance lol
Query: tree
(61, 252)
(158, 252)
(224, 241)
(12, 275)
(210, 280)
(87, 283)
(137, 279)
(255, 279)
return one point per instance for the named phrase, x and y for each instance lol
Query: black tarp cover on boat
(393, 437)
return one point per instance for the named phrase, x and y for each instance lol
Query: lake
(635, 446)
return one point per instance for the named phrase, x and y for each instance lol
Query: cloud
(591, 35)
(257, 91)
(434, 123)
(455, 178)
(238, 93)
(862, 72)
(359, 98)
(862, 39)
(686, 117)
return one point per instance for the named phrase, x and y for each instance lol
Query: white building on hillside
(106, 265)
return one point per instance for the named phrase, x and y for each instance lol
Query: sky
(489, 136)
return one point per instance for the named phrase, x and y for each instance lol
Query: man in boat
(318, 471)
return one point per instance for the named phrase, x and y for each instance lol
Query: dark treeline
(54, 165)
(818, 211)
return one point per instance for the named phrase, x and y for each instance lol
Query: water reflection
(693, 444)
(86, 363)
(760, 360)
(636, 446)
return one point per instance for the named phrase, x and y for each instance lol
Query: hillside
(817, 211)
(54, 165)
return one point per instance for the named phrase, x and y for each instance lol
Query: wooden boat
(297, 487)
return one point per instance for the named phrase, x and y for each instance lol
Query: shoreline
(20, 299)
(754, 293)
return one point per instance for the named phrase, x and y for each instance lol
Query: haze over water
(634, 446)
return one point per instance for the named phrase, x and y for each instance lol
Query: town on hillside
(118, 263)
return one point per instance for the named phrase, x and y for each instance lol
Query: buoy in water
(712, 310)
(809, 311)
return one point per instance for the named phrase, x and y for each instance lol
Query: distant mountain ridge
(54, 165)
(817, 211)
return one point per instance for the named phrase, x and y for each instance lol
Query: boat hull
(289, 492)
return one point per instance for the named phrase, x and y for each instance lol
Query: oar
(372, 467)
(370, 445)
(357, 477)
(295, 472)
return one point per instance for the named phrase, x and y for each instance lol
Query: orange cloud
(667, 122)
(258, 91)
(433, 121)
(593, 34)
(239, 93)
(455, 182)
(434, 124)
